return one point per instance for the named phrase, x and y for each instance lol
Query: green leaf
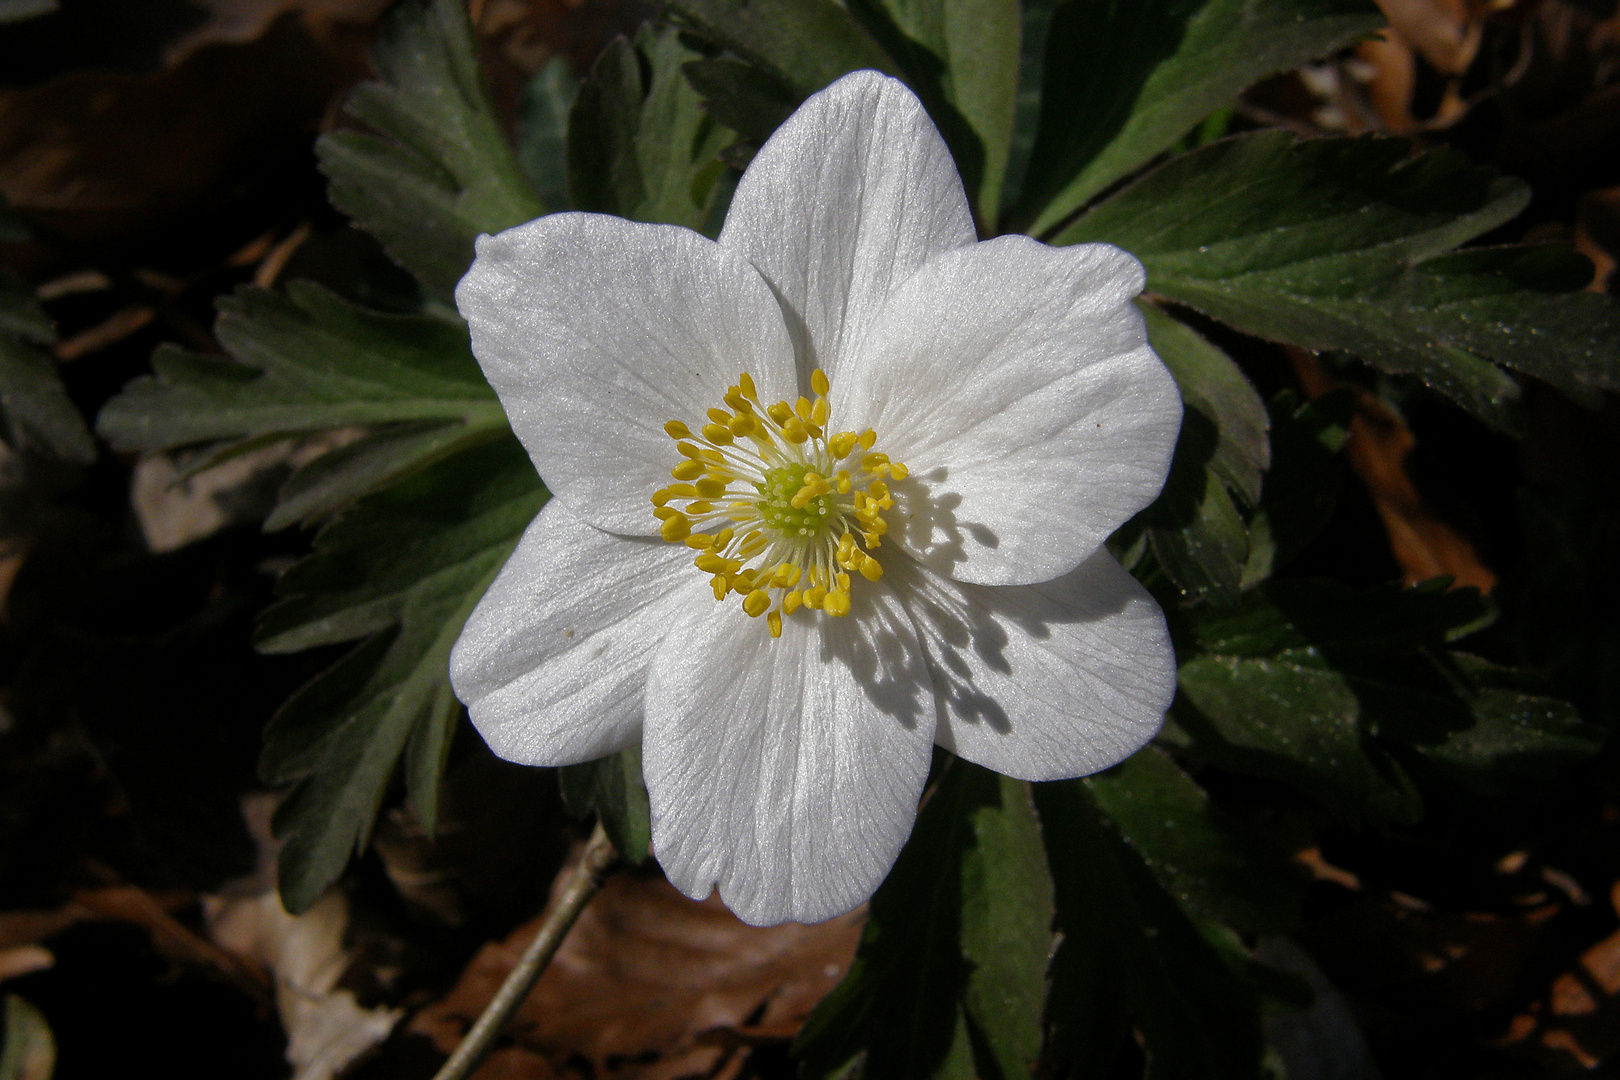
(35, 407)
(744, 97)
(1197, 531)
(1342, 244)
(1201, 859)
(542, 131)
(1129, 958)
(311, 362)
(28, 1051)
(612, 788)
(1302, 485)
(1125, 81)
(1318, 685)
(438, 170)
(961, 57)
(402, 569)
(640, 144)
(20, 314)
(805, 43)
(949, 975)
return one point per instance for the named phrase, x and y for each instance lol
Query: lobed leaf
(438, 169)
(402, 569)
(1124, 81)
(806, 44)
(640, 144)
(949, 975)
(1343, 244)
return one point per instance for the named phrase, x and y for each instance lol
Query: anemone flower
(824, 494)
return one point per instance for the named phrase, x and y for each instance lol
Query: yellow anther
(700, 542)
(752, 545)
(898, 471)
(814, 430)
(791, 602)
(793, 431)
(879, 491)
(717, 434)
(681, 491)
(780, 412)
(675, 527)
(744, 581)
(745, 382)
(677, 430)
(687, 470)
(710, 488)
(720, 585)
(774, 621)
(740, 512)
(843, 482)
(802, 497)
(738, 403)
(846, 547)
(819, 383)
(871, 540)
(662, 496)
(664, 513)
(818, 411)
(870, 462)
(699, 507)
(870, 569)
(719, 416)
(689, 450)
(722, 538)
(814, 598)
(843, 583)
(786, 576)
(843, 444)
(713, 457)
(802, 407)
(868, 437)
(743, 424)
(710, 563)
(756, 602)
(837, 602)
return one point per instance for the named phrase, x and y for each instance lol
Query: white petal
(849, 198)
(1048, 681)
(553, 661)
(596, 331)
(1015, 380)
(787, 772)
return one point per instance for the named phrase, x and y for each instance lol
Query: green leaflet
(35, 409)
(640, 144)
(1197, 526)
(611, 788)
(438, 170)
(1125, 80)
(961, 57)
(403, 569)
(804, 43)
(310, 362)
(950, 972)
(1206, 862)
(542, 131)
(1342, 244)
(1131, 960)
(1330, 689)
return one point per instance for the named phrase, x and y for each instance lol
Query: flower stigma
(780, 512)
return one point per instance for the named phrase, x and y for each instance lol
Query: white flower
(751, 400)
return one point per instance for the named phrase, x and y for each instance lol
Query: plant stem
(594, 863)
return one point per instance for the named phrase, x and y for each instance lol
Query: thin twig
(594, 863)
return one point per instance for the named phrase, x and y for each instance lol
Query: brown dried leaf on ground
(1424, 545)
(651, 985)
(1580, 1015)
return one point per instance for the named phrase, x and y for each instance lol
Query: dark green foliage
(1123, 81)
(1343, 244)
(950, 972)
(1130, 958)
(402, 569)
(436, 169)
(611, 788)
(805, 44)
(640, 143)
(35, 409)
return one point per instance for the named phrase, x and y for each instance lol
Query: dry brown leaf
(650, 984)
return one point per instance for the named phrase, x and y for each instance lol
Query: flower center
(794, 512)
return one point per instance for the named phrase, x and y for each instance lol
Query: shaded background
(160, 154)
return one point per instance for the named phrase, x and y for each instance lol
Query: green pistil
(776, 505)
